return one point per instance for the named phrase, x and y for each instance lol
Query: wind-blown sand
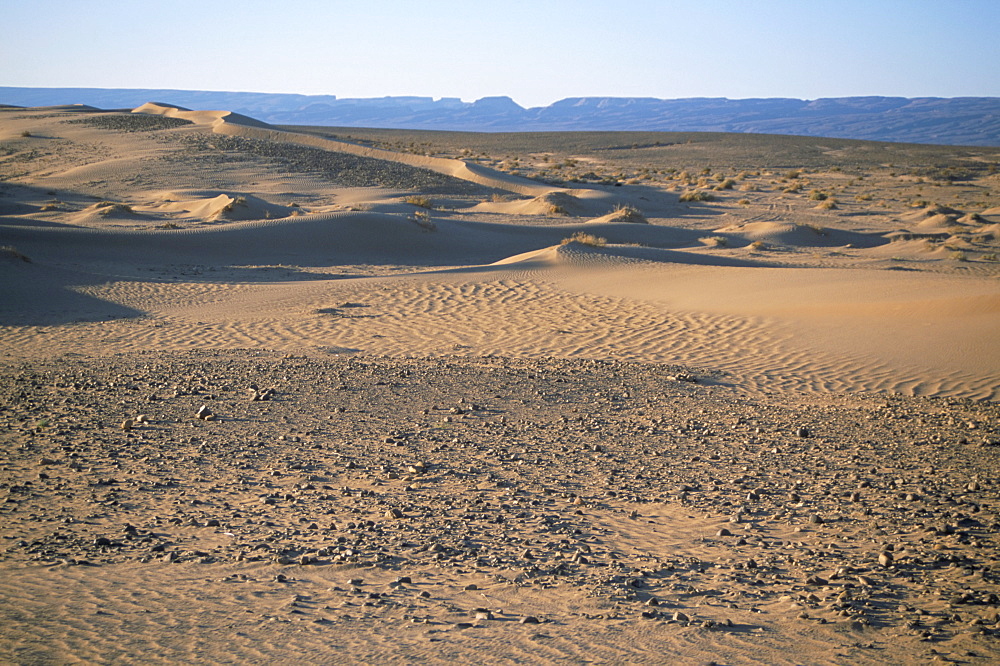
(624, 437)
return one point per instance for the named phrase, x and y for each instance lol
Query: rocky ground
(458, 493)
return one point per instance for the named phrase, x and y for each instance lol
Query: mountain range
(973, 121)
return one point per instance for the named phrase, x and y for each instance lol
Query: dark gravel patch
(343, 169)
(130, 122)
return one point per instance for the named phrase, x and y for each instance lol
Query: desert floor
(307, 395)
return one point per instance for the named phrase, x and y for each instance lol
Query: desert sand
(303, 395)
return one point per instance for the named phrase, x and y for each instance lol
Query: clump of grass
(818, 195)
(726, 184)
(168, 225)
(26, 134)
(584, 238)
(630, 214)
(748, 187)
(757, 246)
(106, 208)
(744, 202)
(992, 256)
(231, 206)
(419, 200)
(959, 256)
(11, 252)
(715, 241)
(496, 197)
(423, 220)
(696, 195)
(827, 204)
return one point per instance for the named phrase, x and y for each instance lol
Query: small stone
(723, 533)
(471, 587)
(815, 519)
(816, 580)
(529, 619)
(885, 559)
(204, 413)
(802, 431)
(127, 424)
(394, 513)
(680, 617)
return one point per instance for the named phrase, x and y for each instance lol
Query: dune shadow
(38, 295)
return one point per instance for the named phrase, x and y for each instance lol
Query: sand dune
(445, 398)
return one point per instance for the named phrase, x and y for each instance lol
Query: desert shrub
(793, 174)
(827, 204)
(959, 256)
(419, 200)
(168, 225)
(25, 134)
(726, 184)
(629, 213)
(818, 195)
(11, 252)
(744, 202)
(422, 218)
(992, 256)
(748, 187)
(864, 196)
(231, 206)
(585, 239)
(758, 245)
(696, 195)
(106, 208)
(715, 241)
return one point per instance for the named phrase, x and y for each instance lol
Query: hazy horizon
(535, 55)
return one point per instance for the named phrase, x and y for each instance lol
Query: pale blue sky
(534, 51)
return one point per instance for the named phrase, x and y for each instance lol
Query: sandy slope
(167, 235)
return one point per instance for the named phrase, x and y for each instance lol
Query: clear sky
(536, 51)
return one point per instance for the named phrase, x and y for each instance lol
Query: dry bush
(715, 241)
(818, 195)
(422, 218)
(696, 195)
(106, 208)
(419, 200)
(630, 214)
(585, 239)
(11, 252)
(827, 204)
